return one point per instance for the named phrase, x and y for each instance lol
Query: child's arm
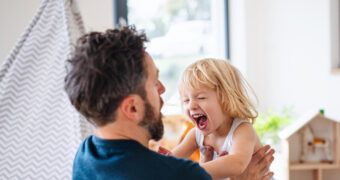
(187, 146)
(233, 164)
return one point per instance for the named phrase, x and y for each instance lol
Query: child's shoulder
(241, 124)
(244, 128)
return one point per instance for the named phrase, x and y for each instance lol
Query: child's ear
(132, 107)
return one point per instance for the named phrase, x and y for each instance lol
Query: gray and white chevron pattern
(40, 130)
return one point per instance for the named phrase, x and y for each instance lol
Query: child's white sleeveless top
(227, 143)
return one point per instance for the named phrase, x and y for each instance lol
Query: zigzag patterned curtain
(40, 131)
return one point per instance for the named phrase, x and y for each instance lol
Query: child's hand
(164, 151)
(208, 154)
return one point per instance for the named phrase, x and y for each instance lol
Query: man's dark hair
(103, 70)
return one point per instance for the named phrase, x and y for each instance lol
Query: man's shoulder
(184, 168)
(145, 163)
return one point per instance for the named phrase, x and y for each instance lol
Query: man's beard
(153, 124)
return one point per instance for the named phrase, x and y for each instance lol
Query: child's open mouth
(201, 121)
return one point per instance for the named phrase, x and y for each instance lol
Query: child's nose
(192, 104)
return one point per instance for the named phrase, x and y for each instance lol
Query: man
(113, 82)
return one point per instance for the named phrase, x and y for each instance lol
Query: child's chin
(204, 131)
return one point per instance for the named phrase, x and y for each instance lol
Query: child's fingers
(208, 154)
(169, 153)
(209, 148)
(164, 151)
(224, 153)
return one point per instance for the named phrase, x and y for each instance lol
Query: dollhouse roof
(301, 122)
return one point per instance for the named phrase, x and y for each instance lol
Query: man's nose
(161, 88)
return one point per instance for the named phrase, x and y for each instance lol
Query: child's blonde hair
(228, 83)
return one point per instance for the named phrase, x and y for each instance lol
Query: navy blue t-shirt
(127, 159)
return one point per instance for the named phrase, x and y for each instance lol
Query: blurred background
(288, 51)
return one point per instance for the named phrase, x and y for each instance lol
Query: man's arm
(258, 166)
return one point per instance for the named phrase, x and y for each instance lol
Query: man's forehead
(151, 64)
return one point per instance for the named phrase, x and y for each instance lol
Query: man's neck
(118, 130)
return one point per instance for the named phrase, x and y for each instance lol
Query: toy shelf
(309, 166)
(292, 149)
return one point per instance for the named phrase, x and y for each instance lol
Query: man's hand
(258, 166)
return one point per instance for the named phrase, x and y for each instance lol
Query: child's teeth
(197, 116)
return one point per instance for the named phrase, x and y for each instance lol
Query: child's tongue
(202, 122)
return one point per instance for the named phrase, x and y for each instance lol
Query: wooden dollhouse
(311, 148)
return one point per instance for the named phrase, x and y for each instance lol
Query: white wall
(14, 17)
(97, 14)
(287, 52)
(16, 14)
(286, 49)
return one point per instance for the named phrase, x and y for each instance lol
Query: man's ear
(132, 107)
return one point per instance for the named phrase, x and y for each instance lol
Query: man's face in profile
(153, 103)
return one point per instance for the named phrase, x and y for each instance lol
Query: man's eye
(186, 100)
(200, 98)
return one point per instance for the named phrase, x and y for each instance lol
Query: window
(180, 32)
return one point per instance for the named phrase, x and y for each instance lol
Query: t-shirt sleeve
(192, 170)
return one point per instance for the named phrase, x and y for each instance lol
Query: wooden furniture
(292, 147)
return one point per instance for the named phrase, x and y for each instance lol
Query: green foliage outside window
(269, 124)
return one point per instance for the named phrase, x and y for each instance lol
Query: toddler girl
(214, 97)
